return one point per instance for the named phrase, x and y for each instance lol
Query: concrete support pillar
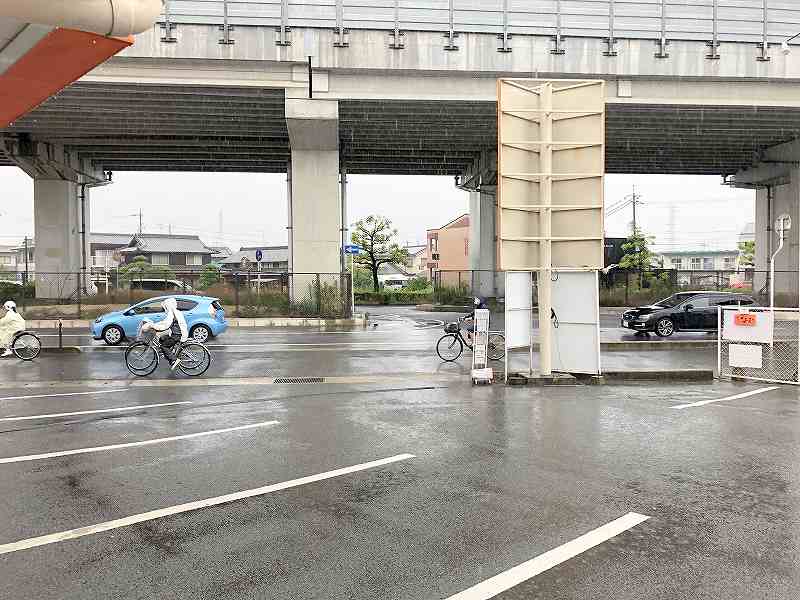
(764, 205)
(59, 217)
(482, 244)
(316, 207)
(783, 199)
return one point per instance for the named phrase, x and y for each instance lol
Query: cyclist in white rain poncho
(171, 330)
(10, 324)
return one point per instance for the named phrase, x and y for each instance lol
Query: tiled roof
(111, 239)
(166, 244)
(270, 254)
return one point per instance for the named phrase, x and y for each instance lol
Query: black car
(685, 311)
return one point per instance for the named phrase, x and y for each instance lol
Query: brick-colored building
(448, 247)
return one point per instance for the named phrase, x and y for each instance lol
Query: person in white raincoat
(10, 324)
(171, 330)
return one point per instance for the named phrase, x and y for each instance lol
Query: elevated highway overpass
(408, 87)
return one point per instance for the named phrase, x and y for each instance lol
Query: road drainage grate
(299, 380)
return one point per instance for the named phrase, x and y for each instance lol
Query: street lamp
(785, 48)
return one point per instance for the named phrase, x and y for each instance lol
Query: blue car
(204, 316)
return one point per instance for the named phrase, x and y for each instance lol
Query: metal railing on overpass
(716, 21)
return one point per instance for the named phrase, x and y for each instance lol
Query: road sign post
(352, 250)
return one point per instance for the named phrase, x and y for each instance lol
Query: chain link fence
(775, 359)
(243, 294)
(631, 288)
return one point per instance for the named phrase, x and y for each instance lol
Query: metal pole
(352, 284)
(82, 283)
(719, 341)
(310, 80)
(343, 201)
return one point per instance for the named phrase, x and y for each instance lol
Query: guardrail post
(60, 338)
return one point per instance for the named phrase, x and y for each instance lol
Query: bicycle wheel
(195, 359)
(449, 347)
(26, 346)
(141, 359)
(497, 346)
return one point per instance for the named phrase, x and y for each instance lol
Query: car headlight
(98, 319)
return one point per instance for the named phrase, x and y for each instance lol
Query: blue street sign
(352, 249)
(259, 255)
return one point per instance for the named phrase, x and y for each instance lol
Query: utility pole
(140, 221)
(634, 201)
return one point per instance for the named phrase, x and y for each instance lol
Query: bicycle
(26, 345)
(142, 356)
(451, 345)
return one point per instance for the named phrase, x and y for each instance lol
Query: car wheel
(201, 333)
(665, 327)
(113, 335)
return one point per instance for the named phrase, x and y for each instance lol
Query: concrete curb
(665, 375)
(609, 377)
(63, 350)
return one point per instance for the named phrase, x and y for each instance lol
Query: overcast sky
(685, 212)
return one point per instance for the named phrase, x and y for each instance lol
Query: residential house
(219, 254)
(181, 253)
(24, 265)
(701, 260)
(448, 247)
(8, 259)
(274, 259)
(418, 263)
(105, 249)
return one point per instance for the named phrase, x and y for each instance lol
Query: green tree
(376, 236)
(747, 254)
(638, 256)
(140, 268)
(209, 276)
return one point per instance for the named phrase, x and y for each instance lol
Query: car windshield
(672, 301)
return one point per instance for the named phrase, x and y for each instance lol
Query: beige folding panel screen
(551, 164)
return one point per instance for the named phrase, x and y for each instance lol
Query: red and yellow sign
(745, 319)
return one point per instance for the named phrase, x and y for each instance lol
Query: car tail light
(212, 311)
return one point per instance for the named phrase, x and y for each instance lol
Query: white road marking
(92, 412)
(29, 457)
(516, 575)
(736, 397)
(71, 534)
(61, 395)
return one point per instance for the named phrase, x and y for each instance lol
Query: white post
(544, 283)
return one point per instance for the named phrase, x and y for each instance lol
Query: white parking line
(29, 457)
(71, 534)
(61, 395)
(516, 575)
(92, 412)
(736, 397)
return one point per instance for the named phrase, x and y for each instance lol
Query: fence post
(80, 292)
(319, 296)
(236, 292)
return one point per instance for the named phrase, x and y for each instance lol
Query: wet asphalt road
(499, 476)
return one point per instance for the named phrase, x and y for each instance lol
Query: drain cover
(299, 380)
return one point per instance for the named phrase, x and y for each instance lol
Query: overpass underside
(134, 127)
